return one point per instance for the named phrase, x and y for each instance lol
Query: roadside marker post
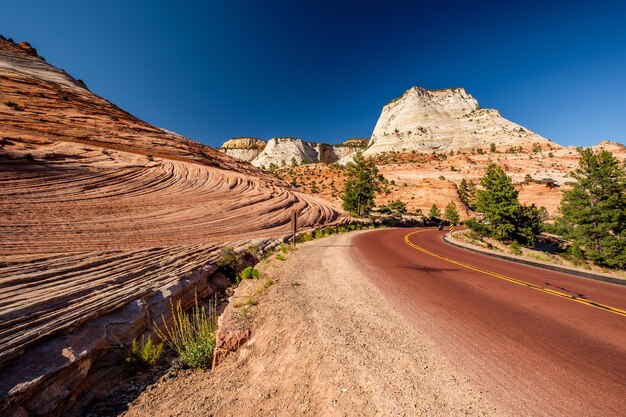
(294, 225)
(451, 228)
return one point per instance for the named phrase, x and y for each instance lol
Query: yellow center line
(514, 280)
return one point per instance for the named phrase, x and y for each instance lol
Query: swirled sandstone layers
(99, 212)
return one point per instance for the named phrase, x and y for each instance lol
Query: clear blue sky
(212, 70)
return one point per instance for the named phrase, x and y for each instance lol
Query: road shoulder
(324, 342)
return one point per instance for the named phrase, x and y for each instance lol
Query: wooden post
(294, 225)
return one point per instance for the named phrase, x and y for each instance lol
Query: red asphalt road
(529, 352)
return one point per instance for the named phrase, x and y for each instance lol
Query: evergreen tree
(498, 202)
(594, 210)
(451, 214)
(362, 183)
(467, 193)
(434, 212)
(507, 218)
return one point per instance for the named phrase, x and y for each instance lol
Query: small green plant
(191, 336)
(145, 353)
(306, 237)
(515, 248)
(284, 248)
(230, 261)
(249, 273)
(251, 301)
(268, 282)
(280, 257)
(319, 234)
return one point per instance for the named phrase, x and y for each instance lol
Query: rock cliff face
(281, 151)
(245, 149)
(104, 219)
(442, 120)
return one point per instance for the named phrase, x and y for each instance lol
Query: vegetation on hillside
(594, 210)
(505, 218)
(363, 182)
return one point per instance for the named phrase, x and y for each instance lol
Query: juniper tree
(594, 209)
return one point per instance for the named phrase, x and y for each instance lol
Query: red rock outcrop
(104, 218)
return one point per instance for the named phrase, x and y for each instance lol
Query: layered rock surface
(443, 120)
(104, 218)
(245, 149)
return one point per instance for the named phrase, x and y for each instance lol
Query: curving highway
(535, 342)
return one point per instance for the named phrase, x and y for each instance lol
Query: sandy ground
(326, 343)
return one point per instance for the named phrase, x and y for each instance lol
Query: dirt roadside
(324, 342)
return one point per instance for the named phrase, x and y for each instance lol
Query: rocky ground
(324, 342)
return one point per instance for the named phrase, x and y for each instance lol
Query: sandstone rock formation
(104, 219)
(287, 151)
(443, 120)
(245, 149)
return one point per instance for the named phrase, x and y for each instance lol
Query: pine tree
(467, 193)
(362, 183)
(451, 214)
(594, 210)
(507, 218)
(498, 202)
(434, 212)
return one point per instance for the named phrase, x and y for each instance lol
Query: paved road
(536, 342)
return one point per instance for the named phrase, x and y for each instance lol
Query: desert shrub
(319, 234)
(145, 353)
(515, 248)
(249, 273)
(307, 237)
(191, 336)
(230, 261)
(254, 250)
(280, 257)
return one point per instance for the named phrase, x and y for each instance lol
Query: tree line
(592, 212)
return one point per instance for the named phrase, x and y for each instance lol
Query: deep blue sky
(212, 70)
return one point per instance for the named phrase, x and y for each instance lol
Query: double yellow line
(514, 280)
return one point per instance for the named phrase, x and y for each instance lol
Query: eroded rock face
(104, 219)
(443, 120)
(287, 151)
(281, 151)
(245, 149)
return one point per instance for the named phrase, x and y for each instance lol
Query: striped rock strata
(104, 219)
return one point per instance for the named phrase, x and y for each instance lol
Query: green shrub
(284, 248)
(307, 237)
(515, 248)
(144, 354)
(280, 257)
(249, 273)
(191, 336)
(230, 261)
(319, 234)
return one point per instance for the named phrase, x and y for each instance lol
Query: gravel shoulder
(324, 342)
